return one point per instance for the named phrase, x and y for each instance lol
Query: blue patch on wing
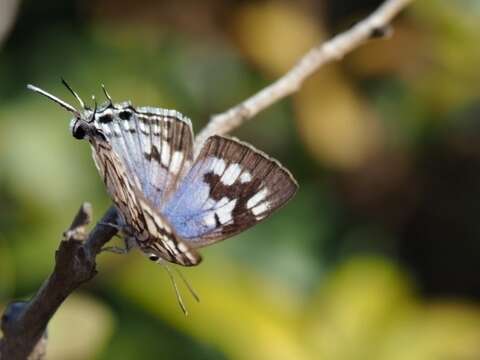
(230, 187)
(185, 210)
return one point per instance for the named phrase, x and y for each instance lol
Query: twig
(375, 25)
(8, 14)
(24, 323)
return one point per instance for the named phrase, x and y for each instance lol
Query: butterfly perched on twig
(169, 203)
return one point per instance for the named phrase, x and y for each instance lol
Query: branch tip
(382, 32)
(77, 230)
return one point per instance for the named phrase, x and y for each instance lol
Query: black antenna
(60, 102)
(107, 95)
(82, 104)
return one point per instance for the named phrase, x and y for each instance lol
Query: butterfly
(170, 203)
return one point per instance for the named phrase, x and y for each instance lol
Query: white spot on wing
(245, 177)
(116, 129)
(182, 247)
(144, 128)
(259, 209)
(190, 256)
(222, 202)
(210, 219)
(155, 128)
(255, 199)
(218, 166)
(231, 174)
(165, 155)
(106, 130)
(176, 163)
(171, 245)
(225, 212)
(152, 229)
(165, 128)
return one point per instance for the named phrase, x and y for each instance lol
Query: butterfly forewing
(155, 146)
(230, 187)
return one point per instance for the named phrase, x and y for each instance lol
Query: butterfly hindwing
(152, 232)
(161, 240)
(155, 145)
(230, 187)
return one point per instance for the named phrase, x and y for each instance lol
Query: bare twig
(377, 24)
(24, 323)
(8, 14)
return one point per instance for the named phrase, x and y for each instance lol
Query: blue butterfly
(171, 204)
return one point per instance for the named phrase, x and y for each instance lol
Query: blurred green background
(378, 255)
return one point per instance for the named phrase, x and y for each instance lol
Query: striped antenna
(79, 99)
(60, 102)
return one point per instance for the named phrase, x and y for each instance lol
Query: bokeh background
(378, 255)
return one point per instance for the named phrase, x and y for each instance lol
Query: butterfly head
(81, 125)
(82, 128)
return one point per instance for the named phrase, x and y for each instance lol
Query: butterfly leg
(120, 229)
(117, 227)
(124, 234)
(115, 250)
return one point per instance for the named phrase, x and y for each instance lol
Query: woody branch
(375, 25)
(24, 323)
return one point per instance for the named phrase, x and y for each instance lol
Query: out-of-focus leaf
(6, 270)
(337, 126)
(40, 159)
(241, 313)
(451, 77)
(275, 34)
(351, 313)
(442, 330)
(80, 329)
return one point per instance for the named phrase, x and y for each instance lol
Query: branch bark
(375, 25)
(24, 323)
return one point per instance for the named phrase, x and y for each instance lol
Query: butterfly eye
(80, 130)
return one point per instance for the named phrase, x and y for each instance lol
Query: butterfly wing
(155, 146)
(230, 187)
(153, 233)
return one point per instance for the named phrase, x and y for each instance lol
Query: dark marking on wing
(217, 220)
(105, 119)
(125, 115)
(240, 191)
(154, 155)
